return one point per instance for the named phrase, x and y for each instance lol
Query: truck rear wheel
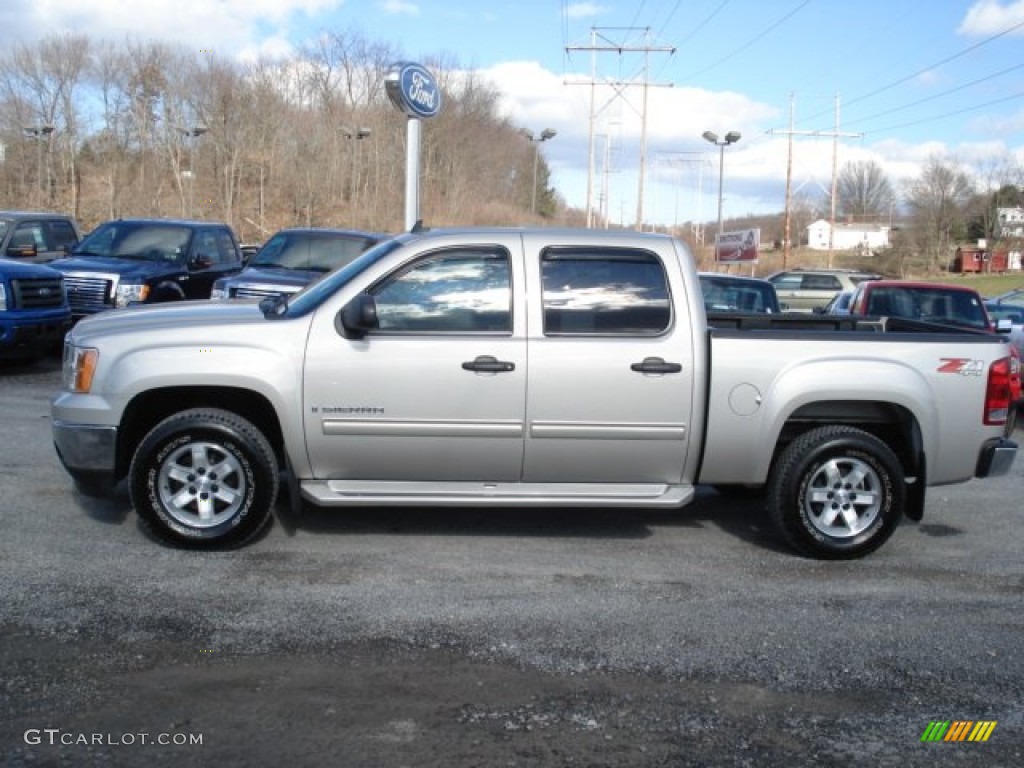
(204, 478)
(836, 493)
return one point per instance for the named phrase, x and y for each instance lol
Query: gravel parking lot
(496, 637)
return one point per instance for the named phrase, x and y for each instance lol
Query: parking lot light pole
(547, 133)
(355, 135)
(192, 134)
(39, 133)
(730, 138)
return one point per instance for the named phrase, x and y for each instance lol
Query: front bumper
(996, 457)
(24, 338)
(88, 452)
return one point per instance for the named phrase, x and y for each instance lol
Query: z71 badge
(962, 365)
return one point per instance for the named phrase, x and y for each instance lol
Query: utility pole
(601, 41)
(834, 134)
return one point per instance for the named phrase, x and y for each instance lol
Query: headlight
(129, 293)
(3, 297)
(79, 367)
(219, 291)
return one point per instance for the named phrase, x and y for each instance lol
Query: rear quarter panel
(758, 382)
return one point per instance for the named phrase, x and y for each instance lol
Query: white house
(847, 237)
(1010, 222)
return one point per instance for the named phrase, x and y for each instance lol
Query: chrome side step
(368, 493)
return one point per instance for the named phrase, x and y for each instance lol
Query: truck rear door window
(454, 291)
(604, 292)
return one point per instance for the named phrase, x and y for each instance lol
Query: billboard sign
(740, 246)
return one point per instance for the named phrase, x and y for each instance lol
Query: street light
(730, 138)
(357, 135)
(192, 133)
(547, 133)
(39, 132)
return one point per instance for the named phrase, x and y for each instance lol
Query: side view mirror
(23, 251)
(358, 316)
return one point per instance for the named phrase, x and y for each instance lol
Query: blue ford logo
(413, 90)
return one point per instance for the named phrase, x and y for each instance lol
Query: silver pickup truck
(524, 367)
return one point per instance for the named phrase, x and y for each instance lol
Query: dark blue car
(292, 259)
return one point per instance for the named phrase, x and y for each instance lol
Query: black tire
(204, 478)
(836, 493)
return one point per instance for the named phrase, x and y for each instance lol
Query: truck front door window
(455, 292)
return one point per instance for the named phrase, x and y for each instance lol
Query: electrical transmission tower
(601, 41)
(835, 134)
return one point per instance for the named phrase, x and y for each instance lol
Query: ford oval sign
(413, 90)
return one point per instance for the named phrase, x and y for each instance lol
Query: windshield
(725, 295)
(316, 292)
(312, 251)
(146, 241)
(4, 226)
(933, 305)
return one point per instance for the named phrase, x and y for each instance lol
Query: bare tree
(937, 200)
(865, 193)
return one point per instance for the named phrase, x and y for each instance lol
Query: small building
(847, 237)
(1010, 222)
(970, 259)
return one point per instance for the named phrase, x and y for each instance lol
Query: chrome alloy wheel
(201, 485)
(843, 497)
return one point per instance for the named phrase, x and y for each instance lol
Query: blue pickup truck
(34, 311)
(292, 259)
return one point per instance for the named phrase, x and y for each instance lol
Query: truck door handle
(488, 364)
(655, 365)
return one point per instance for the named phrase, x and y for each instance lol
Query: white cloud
(584, 10)
(227, 27)
(400, 7)
(990, 17)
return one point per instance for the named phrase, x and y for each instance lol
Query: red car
(941, 303)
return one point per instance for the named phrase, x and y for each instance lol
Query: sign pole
(413, 133)
(416, 94)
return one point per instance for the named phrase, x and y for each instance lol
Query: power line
(755, 39)
(943, 116)
(938, 95)
(920, 72)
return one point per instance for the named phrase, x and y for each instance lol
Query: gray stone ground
(496, 637)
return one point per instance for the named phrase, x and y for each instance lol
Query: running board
(371, 493)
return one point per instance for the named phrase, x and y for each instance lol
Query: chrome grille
(38, 292)
(259, 291)
(88, 293)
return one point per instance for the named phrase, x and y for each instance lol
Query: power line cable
(934, 118)
(755, 39)
(937, 95)
(920, 72)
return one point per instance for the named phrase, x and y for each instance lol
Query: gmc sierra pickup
(524, 367)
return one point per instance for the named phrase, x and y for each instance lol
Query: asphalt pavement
(482, 637)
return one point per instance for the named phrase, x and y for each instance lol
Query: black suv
(135, 261)
(36, 236)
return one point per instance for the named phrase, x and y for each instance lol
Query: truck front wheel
(836, 493)
(204, 478)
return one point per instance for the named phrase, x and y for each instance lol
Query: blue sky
(913, 77)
